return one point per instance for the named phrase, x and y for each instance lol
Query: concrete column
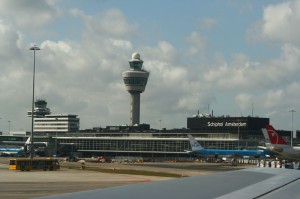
(135, 108)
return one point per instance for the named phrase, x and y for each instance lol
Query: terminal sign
(226, 124)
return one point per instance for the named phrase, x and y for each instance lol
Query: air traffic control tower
(135, 81)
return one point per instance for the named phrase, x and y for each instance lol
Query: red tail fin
(275, 138)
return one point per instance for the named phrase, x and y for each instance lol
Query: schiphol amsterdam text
(221, 124)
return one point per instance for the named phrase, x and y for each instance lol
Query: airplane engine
(277, 149)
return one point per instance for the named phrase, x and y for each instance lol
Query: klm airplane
(7, 151)
(197, 148)
(13, 151)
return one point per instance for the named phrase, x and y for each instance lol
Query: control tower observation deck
(135, 81)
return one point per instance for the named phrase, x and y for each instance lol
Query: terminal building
(60, 123)
(168, 144)
(211, 132)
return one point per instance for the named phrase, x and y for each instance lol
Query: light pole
(56, 119)
(8, 127)
(34, 48)
(238, 134)
(159, 124)
(159, 127)
(292, 132)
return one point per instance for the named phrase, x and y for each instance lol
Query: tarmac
(32, 184)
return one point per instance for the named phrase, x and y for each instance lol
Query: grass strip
(130, 172)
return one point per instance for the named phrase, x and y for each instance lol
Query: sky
(229, 57)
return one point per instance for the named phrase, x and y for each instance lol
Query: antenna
(208, 108)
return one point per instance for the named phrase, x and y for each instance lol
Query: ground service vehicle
(27, 164)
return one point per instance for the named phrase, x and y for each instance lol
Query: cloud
(267, 100)
(242, 73)
(207, 23)
(112, 23)
(197, 43)
(83, 75)
(279, 23)
(75, 76)
(28, 14)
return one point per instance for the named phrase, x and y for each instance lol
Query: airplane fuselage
(9, 151)
(284, 151)
(241, 153)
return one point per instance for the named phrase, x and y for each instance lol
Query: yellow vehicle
(27, 164)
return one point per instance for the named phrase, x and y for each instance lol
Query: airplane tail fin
(28, 141)
(194, 144)
(273, 136)
(265, 133)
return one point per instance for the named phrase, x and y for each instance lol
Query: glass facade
(116, 144)
(148, 145)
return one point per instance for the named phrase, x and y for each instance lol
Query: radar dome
(135, 55)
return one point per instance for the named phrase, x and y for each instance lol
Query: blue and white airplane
(7, 151)
(13, 151)
(197, 148)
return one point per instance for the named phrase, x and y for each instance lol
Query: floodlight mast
(34, 48)
(292, 132)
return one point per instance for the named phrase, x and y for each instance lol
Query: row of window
(44, 124)
(135, 81)
(150, 145)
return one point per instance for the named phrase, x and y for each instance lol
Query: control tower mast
(135, 81)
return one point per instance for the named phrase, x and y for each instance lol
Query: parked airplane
(13, 151)
(278, 146)
(8, 151)
(197, 148)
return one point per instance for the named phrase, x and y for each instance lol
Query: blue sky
(226, 54)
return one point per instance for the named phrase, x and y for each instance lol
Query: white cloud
(28, 14)
(279, 23)
(268, 100)
(83, 75)
(207, 23)
(197, 43)
(111, 23)
(244, 100)
(10, 41)
(242, 73)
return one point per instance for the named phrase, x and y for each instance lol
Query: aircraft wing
(248, 183)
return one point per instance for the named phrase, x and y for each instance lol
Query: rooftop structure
(245, 127)
(40, 109)
(135, 81)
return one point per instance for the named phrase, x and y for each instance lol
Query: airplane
(7, 151)
(14, 151)
(278, 146)
(197, 148)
